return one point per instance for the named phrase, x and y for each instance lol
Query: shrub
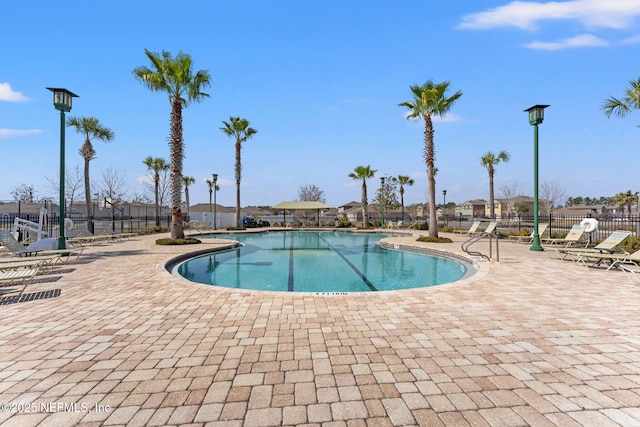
(522, 233)
(343, 222)
(153, 230)
(447, 229)
(631, 244)
(423, 226)
(185, 241)
(434, 239)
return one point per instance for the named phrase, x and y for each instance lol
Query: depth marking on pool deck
(358, 272)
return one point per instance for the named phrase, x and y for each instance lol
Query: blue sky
(321, 82)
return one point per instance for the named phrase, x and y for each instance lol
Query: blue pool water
(325, 261)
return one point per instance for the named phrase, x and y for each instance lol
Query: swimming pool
(318, 261)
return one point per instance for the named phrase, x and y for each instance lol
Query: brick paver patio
(116, 340)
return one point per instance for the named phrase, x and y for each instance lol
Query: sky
(321, 82)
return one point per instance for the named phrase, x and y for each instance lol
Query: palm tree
(627, 200)
(622, 107)
(239, 129)
(402, 181)
(211, 184)
(187, 181)
(174, 75)
(363, 173)
(430, 100)
(156, 165)
(91, 128)
(490, 160)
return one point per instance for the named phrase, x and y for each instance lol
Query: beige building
(471, 209)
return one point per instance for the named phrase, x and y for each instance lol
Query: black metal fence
(119, 225)
(557, 225)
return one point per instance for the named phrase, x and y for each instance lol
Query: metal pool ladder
(476, 238)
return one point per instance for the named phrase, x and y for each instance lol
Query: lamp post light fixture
(444, 206)
(536, 116)
(382, 201)
(62, 99)
(215, 184)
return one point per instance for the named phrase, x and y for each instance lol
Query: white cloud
(447, 118)
(8, 94)
(582, 40)
(12, 133)
(616, 14)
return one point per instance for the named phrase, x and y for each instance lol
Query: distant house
(471, 209)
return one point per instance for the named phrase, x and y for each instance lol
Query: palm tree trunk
(429, 156)
(402, 202)
(177, 155)
(365, 216)
(492, 210)
(238, 179)
(87, 196)
(157, 194)
(186, 196)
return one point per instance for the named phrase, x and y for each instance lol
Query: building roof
(301, 205)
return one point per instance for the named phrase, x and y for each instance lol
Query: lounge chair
(17, 277)
(632, 271)
(105, 229)
(12, 263)
(606, 246)
(17, 249)
(542, 228)
(491, 227)
(573, 237)
(82, 236)
(613, 259)
(471, 230)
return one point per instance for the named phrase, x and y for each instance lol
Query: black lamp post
(215, 184)
(536, 116)
(62, 102)
(444, 211)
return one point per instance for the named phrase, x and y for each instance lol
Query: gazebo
(306, 206)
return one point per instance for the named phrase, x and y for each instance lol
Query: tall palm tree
(403, 180)
(187, 181)
(363, 173)
(174, 75)
(156, 165)
(430, 100)
(630, 102)
(239, 129)
(92, 129)
(490, 160)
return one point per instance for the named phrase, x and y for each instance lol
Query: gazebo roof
(301, 205)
